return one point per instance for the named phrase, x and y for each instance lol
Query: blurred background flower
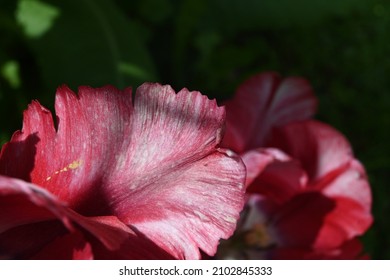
(307, 196)
(341, 47)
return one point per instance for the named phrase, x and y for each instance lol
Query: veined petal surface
(154, 164)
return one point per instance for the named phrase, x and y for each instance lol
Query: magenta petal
(28, 209)
(30, 218)
(257, 160)
(262, 102)
(347, 220)
(273, 174)
(24, 203)
(23, 242)
(325, 223)
(154, 162)
(111, 239)
(71, 246)
(120, 242)
(319, 147)
(179, 190)
(328, 158)
(193, 208)
(308, 210)
(351, 182)
(352, 214)
(69, 162)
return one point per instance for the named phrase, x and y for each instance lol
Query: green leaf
(10, 72)
(36, 17)
(89, 45)
(133, 71)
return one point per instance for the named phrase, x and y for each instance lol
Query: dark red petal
(262, 102)
(71, 161)
(75, 245)
(257, 160)
(352, 215)
(349, 188)
(25, 203)
(299, 222)
(319, 147)
(120, 241)
(71, 246)
(33, 219)
(349, 182)
(273, 174)
(313, 220)
(135, 247)
(23, 241)
(327, 156)
(17, 156)
(347, 220)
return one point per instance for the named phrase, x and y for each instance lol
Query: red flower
(118, 180)
(262, 102)
(308, 197)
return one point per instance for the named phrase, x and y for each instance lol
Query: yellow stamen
(74, 165)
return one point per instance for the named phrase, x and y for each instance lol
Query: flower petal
(262, 102)
(187, 193)
(25, 203)
(272, 173)
(325, 222)
(257, 160)
(23, 234)
(70, 246)
(193, 207)
(298, 222)
(327, 156)
(352, 214)
(69, 162)
(24, 241)
(350, 182)
(319, 147)
(165, 168)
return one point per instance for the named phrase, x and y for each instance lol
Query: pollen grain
(74, 165)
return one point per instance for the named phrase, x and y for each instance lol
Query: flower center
(249, 244)
(258, 236)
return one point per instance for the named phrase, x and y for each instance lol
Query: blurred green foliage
(36, 17)
(342, 47)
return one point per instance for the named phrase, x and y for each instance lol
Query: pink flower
(112, 178)
(263, 102)
(308, 197)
